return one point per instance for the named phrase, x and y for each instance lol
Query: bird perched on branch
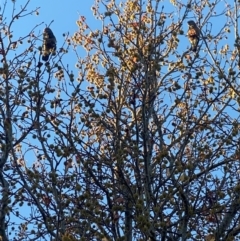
(193, 35)
(49, 44)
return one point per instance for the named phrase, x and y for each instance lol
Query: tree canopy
(139, 141)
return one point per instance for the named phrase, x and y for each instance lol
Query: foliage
(142, 145)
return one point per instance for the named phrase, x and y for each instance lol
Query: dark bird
(49, 44)
(193, 35)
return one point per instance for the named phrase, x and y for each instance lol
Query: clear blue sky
(63, 12)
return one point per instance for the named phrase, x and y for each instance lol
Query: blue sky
(64, 13)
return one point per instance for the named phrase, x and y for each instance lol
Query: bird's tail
(45, 57)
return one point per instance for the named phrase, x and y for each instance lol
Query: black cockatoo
(49, 44)
(193, 35)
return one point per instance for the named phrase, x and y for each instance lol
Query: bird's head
(47, 30)
(47, 33)
(191, 23)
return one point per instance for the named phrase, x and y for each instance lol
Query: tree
(142, 145)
